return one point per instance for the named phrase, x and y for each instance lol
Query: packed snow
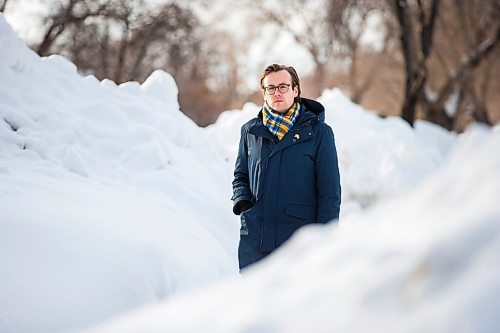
(110, 197)
(425, 262)
(115, 216)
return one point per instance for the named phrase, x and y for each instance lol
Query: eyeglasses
(283, 88)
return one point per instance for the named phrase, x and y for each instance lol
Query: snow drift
(110, 197)
(112, 200)
(426, 262)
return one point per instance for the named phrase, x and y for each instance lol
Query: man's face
(279, 101)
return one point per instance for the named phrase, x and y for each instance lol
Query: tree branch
(472, 60)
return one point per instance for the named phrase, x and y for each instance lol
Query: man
(286, 172)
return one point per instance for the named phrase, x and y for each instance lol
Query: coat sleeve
(327, 176)
(241, 183)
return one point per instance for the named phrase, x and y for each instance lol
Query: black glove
(243, 206)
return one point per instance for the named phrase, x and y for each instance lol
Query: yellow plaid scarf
(280, 124)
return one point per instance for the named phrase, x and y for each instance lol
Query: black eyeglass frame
(282, 88)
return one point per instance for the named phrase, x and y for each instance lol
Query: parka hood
(315, 107)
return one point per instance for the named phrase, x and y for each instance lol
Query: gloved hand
(243, 206)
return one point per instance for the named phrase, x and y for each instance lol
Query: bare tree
(448, 50)
(332, 32)
(418, 23)
(307, 25)
(66, 14)
(347, 21)
(416, 32)
(127, 39)
(122, 39)
(469, 32)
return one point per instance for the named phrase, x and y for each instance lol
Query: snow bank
(426, 262)
(110, 197)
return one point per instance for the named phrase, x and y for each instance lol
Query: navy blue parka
(287, 183)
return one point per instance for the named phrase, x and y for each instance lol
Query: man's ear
(295, 91)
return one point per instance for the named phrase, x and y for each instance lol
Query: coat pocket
(303, 212)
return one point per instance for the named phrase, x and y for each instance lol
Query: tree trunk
(3, 5)
(459, 78)
(415, 54)
(319, 78)
(122, 52)
(439, 117)
(353, 77)
(50, 36)
(408, 47)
